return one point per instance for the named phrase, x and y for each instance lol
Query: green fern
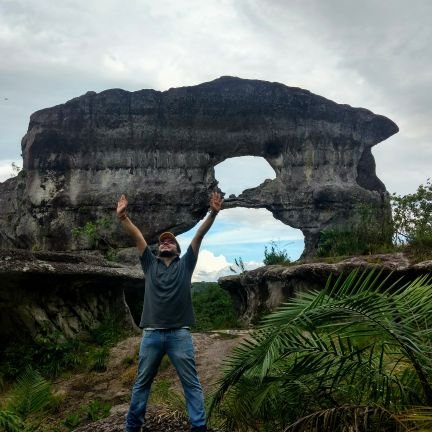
(31, 394)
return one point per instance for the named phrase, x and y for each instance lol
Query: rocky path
(114, 385)
(156, 421)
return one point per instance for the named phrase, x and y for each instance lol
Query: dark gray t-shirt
(167, 299)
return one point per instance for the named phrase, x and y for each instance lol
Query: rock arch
(234, 175)
(161, 148)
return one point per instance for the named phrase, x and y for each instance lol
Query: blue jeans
(177, 344)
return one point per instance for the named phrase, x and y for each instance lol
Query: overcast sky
(375, 54)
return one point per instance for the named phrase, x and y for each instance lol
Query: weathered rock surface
(263, 289)
(46, 293)
(157, 420)
(160, 148)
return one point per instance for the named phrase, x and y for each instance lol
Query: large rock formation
(260, 291)
(45, 293)
(160, 148)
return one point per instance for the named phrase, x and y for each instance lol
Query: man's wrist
(213, 213)
(122, 217)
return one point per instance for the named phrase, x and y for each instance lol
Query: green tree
(275, 255)
(213, 307)
(412, 217)
(369, 235)
(355, 353)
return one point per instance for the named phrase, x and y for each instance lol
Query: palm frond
(348, 419)
(361, 339)
(31, 394)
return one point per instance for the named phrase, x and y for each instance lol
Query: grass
(56, 354)
(163, 394)
(27, 402)
(96, 410)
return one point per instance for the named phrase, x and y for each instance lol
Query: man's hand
(121, 207)
(216, 202)
(128, 226)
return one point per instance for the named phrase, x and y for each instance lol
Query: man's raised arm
(216, 202)
(128, 226)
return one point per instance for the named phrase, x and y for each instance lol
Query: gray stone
(46, 293)
(158, 419)
(160, 148)
(260, 291)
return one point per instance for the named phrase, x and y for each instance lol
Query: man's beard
(167, 253)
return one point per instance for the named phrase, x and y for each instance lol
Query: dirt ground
(114, 384)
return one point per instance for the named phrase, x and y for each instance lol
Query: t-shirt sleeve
(147, 259)
(191, 259)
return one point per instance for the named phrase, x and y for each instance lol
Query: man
(167, 316)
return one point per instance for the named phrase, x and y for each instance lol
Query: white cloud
(210, 267)
(371, 55)
(237, 174)
(243, 226)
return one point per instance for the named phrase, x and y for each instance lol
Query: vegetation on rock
(275, 255)
(410, 229)
(55, 353)
(239, 266)
(412, 218)
(369, 235)
(98, 234)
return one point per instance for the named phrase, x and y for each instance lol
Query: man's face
(167, 248)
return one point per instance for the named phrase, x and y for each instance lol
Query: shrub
(107, 333)
(411, 227)
(96, 410)
(369, 235)
(10, 421)
(99, 359)
(213, 307)
(15, 358)
(72, 421)
(275, 255)
(53, 354)
(412, 217)
(239, 266)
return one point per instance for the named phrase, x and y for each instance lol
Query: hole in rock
(241, 233)
(237, 174)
